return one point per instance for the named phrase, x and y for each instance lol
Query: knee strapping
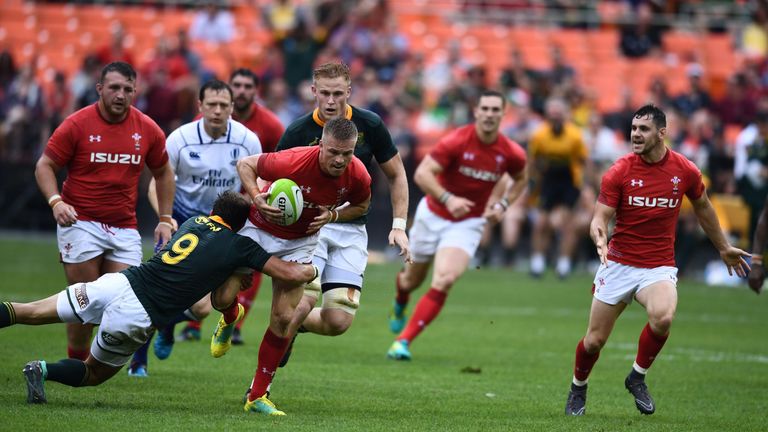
(346, 299)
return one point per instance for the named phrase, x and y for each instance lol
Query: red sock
(247, 297)
(230, 313)
(270, 353)
(401, 297)
(195, 325)
(649, 346)
(426, 310)
(77, 354)
(584, 362)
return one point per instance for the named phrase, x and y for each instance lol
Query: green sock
(7, 315)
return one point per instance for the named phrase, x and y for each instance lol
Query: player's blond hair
(331, 70)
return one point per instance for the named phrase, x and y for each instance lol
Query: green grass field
(520, 333)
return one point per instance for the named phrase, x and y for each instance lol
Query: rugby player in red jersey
(643, 190)
(104, 148)
(267, 126)
(458, 178)
(329, 176)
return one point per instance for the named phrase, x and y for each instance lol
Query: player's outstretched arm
(598, 229)
(290, 272)
(247, 169)
(398, 194)
(734, 258)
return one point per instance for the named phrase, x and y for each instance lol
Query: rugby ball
(286, 195)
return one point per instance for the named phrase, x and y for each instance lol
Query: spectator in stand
(603, 148)
(641, 37)
(83, 84)
(697, 97)
(300, 49)
(517, 75)
(212, 23)
(751, 166)
(738, 106)
(58, 101)
(115, 50)
(22, 128)
(754, 36)
(278, 100)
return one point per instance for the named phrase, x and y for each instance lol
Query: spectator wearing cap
(696, 97)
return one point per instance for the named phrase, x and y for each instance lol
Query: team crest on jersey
(314, 142)
(360, 140)
(235, 154)
(136, 141)
(675, 181)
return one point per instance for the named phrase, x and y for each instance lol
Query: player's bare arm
(152, 198)
(340, 214)
(512, 188)
(598, 229)
(757, 273)
(733, 257)
(426, 178)
(398, 194)
(165, 186)
(247, 169)
(290, 272)
(45, 175)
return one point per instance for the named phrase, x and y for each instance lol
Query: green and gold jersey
(373, 138)
(202, 254)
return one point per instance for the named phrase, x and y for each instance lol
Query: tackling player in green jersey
(200, 258)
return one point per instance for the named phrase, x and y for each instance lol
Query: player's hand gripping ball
(286, 195)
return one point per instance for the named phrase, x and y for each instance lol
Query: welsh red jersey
(472, 168)
(301, 165)
(647, 199)
(104, 162)
(265, 125)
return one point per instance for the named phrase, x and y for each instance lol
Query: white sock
(639, 369)
(563, 265)
(579, 383)
(538, 265)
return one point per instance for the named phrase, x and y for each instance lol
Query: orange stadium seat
(685, 45)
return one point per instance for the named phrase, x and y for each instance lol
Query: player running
(643, 190)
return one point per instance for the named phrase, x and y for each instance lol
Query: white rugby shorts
(109, 302)
(431, 232)
(86, 240)
(342, 254)
(620, 282)
(298, 250)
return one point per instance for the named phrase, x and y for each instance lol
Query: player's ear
(662, 133)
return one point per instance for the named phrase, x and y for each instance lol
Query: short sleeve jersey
(200, 256)
(647, 199)
(318, 189)
(373, 138)
(472, 168)
(206, 167)
(104, 161)
(566, 150)
(266, 125)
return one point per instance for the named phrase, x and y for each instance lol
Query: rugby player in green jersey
(201, 258)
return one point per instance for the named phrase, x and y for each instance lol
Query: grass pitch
(519, 334)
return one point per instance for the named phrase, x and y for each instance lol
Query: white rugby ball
(286, 195)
